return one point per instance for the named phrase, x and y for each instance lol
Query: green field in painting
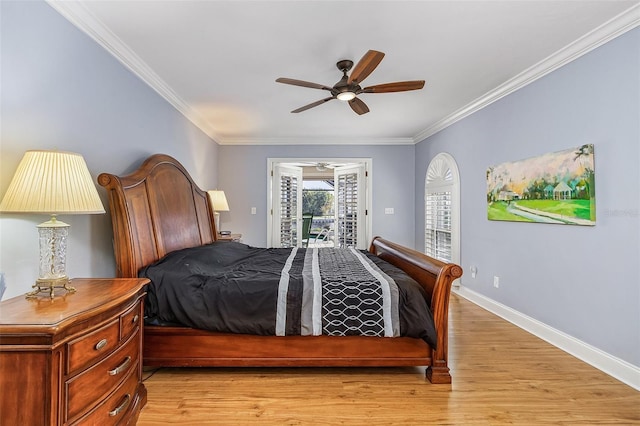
(569, 208)
(498, 211)
(578, 209)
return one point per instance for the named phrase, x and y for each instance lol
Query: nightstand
(74, 359)
(230, 237)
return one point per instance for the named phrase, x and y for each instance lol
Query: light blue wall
(243, 177)
(584, 281)
(61, 90)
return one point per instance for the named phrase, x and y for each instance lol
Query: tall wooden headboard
(155, 210)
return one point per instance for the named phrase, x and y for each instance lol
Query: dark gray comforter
(235, 288)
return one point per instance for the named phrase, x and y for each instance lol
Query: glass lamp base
(216, 219)
(53, 258)
(49, 285)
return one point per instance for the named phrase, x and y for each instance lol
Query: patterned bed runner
(359, 299)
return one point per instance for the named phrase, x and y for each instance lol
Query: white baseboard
(615, 367)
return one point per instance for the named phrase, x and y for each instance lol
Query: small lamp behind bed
(219, 204)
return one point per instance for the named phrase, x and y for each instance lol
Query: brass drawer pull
(135, 319)
(121, 407)
(119, 369)
(101, 344)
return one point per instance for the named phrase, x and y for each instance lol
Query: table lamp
(52, 182)
(219, 204)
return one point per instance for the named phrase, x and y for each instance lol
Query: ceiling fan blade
(303, 83)
(313, 104)
(400, 86)
(365, 66)
(358, 106)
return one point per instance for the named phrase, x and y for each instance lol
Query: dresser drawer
(130, 320)
(93, 384)
(85, 350)
(112, 410)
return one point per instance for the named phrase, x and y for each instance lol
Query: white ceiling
(217, 61)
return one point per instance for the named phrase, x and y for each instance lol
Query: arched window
(442, 209)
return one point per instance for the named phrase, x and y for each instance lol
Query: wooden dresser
(74, 359)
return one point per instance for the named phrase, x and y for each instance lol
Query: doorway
(335, 191)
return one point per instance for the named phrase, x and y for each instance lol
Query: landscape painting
(558, 187)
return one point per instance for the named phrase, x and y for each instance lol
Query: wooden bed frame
(158, 209)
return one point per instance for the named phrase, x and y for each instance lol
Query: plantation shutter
(439, 199)
(438, 225)
(350, 207)
(287, 203)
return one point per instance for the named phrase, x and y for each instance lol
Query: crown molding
(611, 29)
(81, 17)
(306, 140)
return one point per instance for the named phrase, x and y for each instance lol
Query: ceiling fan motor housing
(344, 65)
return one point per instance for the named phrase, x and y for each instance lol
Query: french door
(287, 206)
(349, 206)
(352, 225)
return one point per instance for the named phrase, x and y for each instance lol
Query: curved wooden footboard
(436, 278)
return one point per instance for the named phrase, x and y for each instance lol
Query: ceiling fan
(348, 87)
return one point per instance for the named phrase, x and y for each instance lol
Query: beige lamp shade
(52, 182)
(218, 201)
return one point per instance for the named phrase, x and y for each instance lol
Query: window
(442, 209)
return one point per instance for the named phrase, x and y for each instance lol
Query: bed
(158, 210)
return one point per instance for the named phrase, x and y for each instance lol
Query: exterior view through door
(334, 192)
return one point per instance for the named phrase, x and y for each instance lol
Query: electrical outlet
(496, 282)
(253, 210)
(474, 271)
(388, 210)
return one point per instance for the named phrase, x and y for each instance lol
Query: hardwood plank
(501, 375)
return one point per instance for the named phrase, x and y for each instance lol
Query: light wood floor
(501, 375)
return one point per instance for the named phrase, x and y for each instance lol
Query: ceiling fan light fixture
(322, 167)
(346, 96)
